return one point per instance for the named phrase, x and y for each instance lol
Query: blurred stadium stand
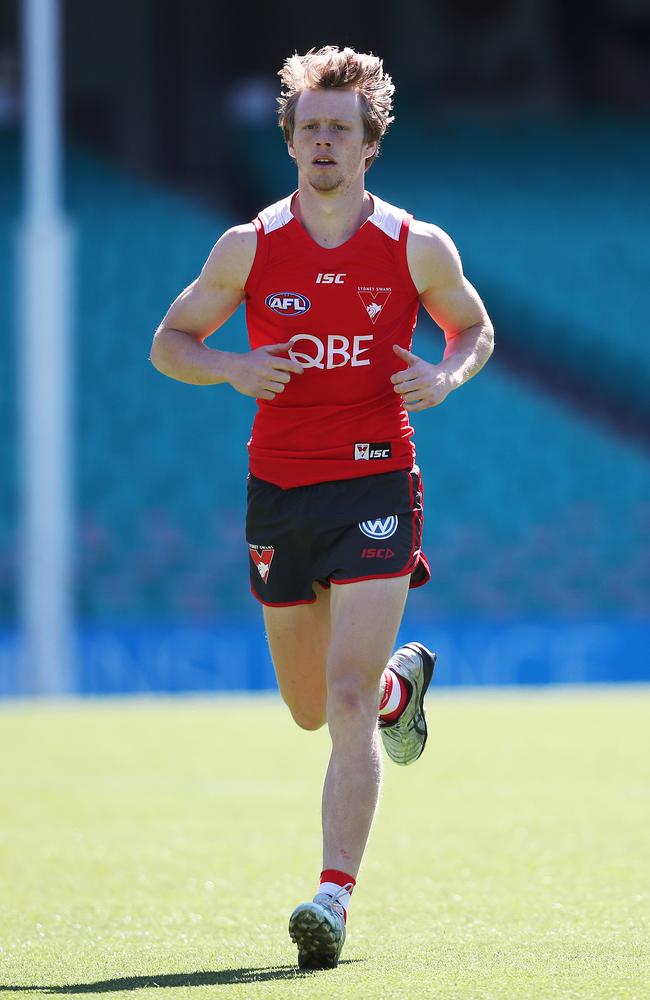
(537, 475)
(534, 511)
(8, 499)
(550, 228)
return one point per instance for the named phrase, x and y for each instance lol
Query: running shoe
(404, 739)
(318, 928)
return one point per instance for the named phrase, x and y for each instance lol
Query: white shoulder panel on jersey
(387, 218)
(276, 216)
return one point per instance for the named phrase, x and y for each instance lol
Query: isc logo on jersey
(288, 303)
(365, 451)
(330, 279)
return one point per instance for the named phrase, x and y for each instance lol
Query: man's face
(328, 140)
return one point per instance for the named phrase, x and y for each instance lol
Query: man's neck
(331, 218)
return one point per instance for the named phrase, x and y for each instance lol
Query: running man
(332, 278)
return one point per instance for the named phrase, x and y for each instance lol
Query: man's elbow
(154, 360)
(157, 354)
(488, 339)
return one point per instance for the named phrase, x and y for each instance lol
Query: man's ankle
(396, 694)
(333, 881)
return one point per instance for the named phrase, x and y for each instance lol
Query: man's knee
(352, 694)
(309, 722)
(307, 717)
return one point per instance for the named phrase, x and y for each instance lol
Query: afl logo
(379, 527)
(288, 303)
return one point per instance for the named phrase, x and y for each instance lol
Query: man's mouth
(324, 161)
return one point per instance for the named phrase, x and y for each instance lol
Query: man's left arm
(455, 305)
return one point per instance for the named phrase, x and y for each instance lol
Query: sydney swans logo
(374, 299)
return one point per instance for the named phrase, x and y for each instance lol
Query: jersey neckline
(313, 242)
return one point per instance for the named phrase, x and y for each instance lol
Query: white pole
(44, 350)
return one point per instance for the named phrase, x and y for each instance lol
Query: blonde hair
(330, 67)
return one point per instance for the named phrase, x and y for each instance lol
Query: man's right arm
(178, 348)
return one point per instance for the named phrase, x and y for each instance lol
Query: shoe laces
(325, 899)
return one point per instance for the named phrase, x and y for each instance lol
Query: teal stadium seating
(531, 508)
(551, 216)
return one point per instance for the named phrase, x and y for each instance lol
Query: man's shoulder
(429, 238)
(232, 256)
(429, 247)
(239, 237)
(387, 217)
(277, 215)
(431, 253)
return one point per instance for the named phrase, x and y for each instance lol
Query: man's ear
(291, 150)
(371, 148)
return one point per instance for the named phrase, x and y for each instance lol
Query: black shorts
(335, 532)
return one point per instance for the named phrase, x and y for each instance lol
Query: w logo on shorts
(379, 527)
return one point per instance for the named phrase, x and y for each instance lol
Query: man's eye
(342, 128)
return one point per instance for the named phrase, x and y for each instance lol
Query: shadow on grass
(224, 977)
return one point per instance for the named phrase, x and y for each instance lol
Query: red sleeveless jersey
(343, 309)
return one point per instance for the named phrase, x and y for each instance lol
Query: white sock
(331, 888)
(394, 695)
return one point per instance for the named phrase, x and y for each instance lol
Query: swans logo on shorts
(288, 303)
(379, 527)
(262, 556)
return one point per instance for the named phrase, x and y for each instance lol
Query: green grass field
(148, 846)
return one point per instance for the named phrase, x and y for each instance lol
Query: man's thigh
(365, 620)
(299, 639)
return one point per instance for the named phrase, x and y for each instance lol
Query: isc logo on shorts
(288, 303)
(379, 527)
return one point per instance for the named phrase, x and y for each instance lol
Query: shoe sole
(318, 947)
(428, 664)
